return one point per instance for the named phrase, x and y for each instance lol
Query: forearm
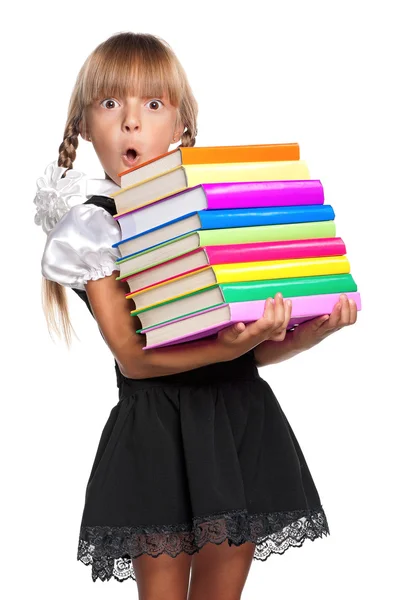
(112, 310)
(270, 352)
(169, 360)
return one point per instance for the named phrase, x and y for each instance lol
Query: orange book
(196, 155)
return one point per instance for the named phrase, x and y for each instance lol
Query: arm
(81, 252)
(269, 352)
(112, 312)
(307, 334)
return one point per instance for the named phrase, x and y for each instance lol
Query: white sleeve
(79, 247)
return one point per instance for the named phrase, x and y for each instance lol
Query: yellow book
(182, 177)
(231, 273)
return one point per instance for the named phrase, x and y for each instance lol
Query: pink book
(278, 250)
(236, 253)
(304, 308)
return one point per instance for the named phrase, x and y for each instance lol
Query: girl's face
(126, 132)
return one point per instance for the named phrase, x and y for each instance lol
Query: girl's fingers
(280, 310)
(269, 321)
(288, 311)
(287, 306)
(335, 317)
(352, 311)
(282, 313)
(345, 310)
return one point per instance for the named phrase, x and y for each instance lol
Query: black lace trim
(110, 550)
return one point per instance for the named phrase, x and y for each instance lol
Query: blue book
(221, 219)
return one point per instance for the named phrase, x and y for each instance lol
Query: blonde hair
(135, 64)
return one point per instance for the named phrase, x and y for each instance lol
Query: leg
(163, 577)
(220, 572)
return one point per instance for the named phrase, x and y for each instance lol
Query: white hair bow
(56, 195)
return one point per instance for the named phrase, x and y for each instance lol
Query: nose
(131, 117)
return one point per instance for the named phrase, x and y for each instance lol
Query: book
(208, 154)
(214, 219)
(271, 269)
(243, 291)
(180, 227)
(187, 176)
(219, 196)
(233, 253)
(212, 320)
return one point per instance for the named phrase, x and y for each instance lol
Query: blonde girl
(197, 470)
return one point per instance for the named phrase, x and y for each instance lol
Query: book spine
(130, 280)
(262, 289)
(239, 217)
(281, 250)
(303, 307)
(267, 233)
(302, 267)
(256, 194)
(294, 286)
(253, 311)
(247, 153)
(247, 171)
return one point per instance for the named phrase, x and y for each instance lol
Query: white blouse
(79, 247)
(80, 236)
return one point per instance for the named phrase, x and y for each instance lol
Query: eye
(108, 100)
(155, 102)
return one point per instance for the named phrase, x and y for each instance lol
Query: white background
(318, 73)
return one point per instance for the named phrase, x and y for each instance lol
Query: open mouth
(130, 157)
(131, 154)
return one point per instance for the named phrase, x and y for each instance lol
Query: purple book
(303, 308)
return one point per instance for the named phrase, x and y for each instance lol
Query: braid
(188, 138)
(54, 298)
(67, 149)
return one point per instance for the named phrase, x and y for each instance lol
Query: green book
(241, 292)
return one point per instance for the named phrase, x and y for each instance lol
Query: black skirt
(194, 458)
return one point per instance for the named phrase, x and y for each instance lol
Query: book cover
(235, 235)
(240, 218)
(234, 253)
(303, 309)
(225, 219)
(179, 178)
(246, 194)
(220, 154)
(259, 290)
(303, 267)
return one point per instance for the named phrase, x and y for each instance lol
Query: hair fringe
(100, 69)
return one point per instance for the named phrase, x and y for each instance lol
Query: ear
(85, 135)
(179, 129)
(84, 131)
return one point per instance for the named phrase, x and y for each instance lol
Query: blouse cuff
(80, 247)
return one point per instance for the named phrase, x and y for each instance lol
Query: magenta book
(245, 194)
(232, 253)
(258, 194)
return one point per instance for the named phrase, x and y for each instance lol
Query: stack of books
(208, 233)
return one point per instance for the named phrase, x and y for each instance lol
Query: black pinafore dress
(193, 458)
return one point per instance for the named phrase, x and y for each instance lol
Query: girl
(197, 466)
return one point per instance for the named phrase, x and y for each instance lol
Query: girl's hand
(308, 334)
(240, 338)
